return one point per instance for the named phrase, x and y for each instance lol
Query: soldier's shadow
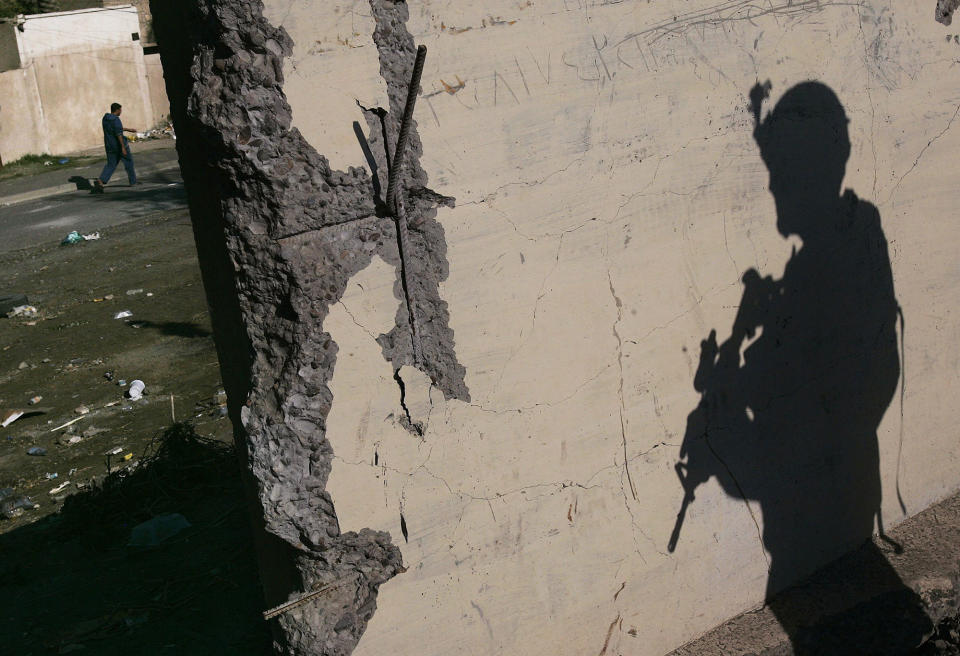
(790, 421)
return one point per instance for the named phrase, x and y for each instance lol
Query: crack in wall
(406, 421)
(623, 423)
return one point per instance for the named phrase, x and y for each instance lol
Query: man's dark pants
(114, 157)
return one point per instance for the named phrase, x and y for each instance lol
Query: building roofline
(89, 10)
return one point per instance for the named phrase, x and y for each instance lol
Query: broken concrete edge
(279, 235)
(929, 565)
(56, 190)
(944, 11)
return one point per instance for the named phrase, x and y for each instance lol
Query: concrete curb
(56, 190)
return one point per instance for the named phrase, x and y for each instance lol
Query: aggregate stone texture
(280, 234)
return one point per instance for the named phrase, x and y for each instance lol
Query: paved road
(49, 220)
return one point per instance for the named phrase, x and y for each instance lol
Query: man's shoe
(97, 188)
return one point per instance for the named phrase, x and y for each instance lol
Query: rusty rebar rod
(300, 601)
(395, 200)
(399, 151)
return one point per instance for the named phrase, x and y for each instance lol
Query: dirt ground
(68, 581)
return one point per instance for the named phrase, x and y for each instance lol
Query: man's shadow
(789, 420)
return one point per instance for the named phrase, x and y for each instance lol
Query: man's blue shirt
(112, 128)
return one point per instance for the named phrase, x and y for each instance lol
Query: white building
(61, 72)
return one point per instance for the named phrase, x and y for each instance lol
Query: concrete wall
(609, 197)
(73, 110)
(76, 31)
(146, 20)
(586, 193)
(159, 104)
(21, 121)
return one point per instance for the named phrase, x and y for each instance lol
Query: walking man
(117, 147)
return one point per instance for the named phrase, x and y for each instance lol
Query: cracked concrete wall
(584, 194)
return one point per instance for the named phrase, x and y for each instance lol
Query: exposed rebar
(395, 199)
(397, 162)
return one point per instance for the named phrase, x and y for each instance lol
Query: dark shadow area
(170, 176)
(142, 202)
(187, 329)
(83, 184)
(791, 401)
(69, 583)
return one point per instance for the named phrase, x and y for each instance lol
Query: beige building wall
(609, 196)
(73, 109)
(159, 103)
(21, 116)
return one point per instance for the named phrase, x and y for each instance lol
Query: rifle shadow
(789, 420)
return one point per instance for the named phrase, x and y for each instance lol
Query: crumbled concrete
(945, 9)
(279, 235)
(427, 259)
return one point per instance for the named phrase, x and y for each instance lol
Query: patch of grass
(33, 164)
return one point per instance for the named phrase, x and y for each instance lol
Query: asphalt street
(48, 220)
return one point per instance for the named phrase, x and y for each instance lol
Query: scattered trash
(111, 404)
(164, 132)
(117, 450)
(52, 476)
(72, 471)
(45, 360)
(136, 390)
(10, 301)
(69, 423)
(35, 400)
(92, 431)
(36, 451)
(149, 293)
(123, 315)
(25, 311)
(134, 292)
(127, 458)
(154, 531)
(10, 417)
(73, 238)
(108, 297)
(68, 440)
(60, 488)
(82, 410)
(63, 160)
(12, 505)
(108, 375)
(122, 382)
(48, 163)
(22, 366)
